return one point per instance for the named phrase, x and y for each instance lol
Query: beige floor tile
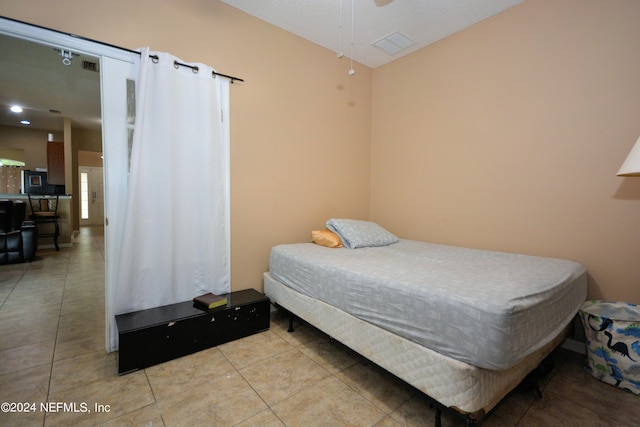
(16, 315)
(24, 297)
(27, 356)
(329, 354)
(254, 348)
(6, 286)
(75, 344)
(225, 401)
(116, 395)
(85, 270)
(265, 418)
(492, 420)
(43, 274)
(4, 294)
(283, 375)
(561, 412)
(8, 281)
(418, 412)
(303, 334)
(572, 383)
(328, 403)
(34, 417)
(514, 405)
(149, 416)
(171, 378)
(78, 371)
(27, 388)
(279, 321)
(27, 385)
(11, 273)
(82, 308)
(71, 323)
(376, 385)
(23, 330)
(388, 422)
(48, 314)
(87, 299)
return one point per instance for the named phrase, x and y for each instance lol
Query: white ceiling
(32, 76)
(423, 21)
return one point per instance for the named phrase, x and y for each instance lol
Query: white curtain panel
(175, 242)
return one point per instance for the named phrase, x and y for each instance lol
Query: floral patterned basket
(613, 342)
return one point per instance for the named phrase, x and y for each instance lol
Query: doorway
(117, 69)
(91, 195)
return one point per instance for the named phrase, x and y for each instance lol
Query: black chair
(44, 210)
(18, 238)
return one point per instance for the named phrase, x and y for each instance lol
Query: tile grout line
(55, 342)
(13, 288)
(155, 399)
(254, 390)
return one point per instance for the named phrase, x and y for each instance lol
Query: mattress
(487, 309)
(467, 389)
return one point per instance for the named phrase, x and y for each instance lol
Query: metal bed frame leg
(290, 322)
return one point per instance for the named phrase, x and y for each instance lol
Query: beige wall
(508, 136)
(32, 141)
(300, 126)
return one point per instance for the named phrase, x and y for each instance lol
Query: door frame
(116, 65)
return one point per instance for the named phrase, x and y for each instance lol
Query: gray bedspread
(488, 309)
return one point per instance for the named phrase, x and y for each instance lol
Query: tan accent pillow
(326, 238)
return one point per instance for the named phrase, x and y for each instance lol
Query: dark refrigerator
(35, 182)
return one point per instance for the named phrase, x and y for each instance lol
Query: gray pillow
(360, 234)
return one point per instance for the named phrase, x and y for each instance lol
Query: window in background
(84, 195)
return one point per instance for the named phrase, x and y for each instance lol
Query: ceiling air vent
(394, 43)
(90, 66)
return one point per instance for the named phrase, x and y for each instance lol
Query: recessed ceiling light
(16, 109)
(25, 122)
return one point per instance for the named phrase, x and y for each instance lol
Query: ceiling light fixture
(340, 54)
(25, 122)
(16, 109)
(352, 71)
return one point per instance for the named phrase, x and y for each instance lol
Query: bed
(464, 326)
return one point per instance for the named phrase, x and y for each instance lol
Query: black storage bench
(156, 335)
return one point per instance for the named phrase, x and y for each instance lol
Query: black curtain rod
(114, 46)
(195, 69)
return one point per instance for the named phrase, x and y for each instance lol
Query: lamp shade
(631, 166)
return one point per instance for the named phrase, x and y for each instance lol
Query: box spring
(467, 389)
